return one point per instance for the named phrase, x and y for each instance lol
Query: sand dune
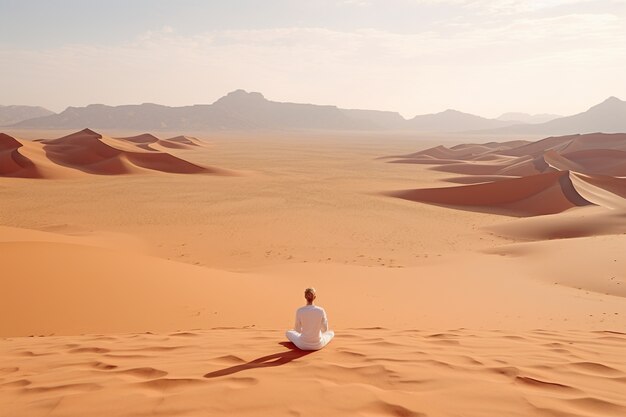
(12, 162)
(604, 191)
(560, 163)
(603, 272)
(588, 169)
(150, 142)
(390, 372)
(143, 140)
(598, 161)
(590, 221)
(86, 151)
(463, 151)
(185, 140)
(534, 195)
(92, 153)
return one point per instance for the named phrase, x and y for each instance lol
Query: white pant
(296, 338)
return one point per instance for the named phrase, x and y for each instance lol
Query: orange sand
(377, 372)
(438, 311)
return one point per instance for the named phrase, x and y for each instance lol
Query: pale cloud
(555, 64)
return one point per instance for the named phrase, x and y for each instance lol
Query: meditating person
(311, 329)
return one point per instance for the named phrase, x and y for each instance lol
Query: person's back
(311, 328)
(310, 323)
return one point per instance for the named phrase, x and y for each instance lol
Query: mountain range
(14, 114)
(241, 110)
(608, 117)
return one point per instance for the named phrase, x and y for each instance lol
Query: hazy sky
(412, 56)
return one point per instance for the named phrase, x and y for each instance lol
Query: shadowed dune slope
(12, 162)
(185, 140)
(93, 153)
(592, 221)
(534, 195)
(553, 174)
(600, 161)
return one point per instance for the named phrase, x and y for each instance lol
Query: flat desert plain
(156, 275)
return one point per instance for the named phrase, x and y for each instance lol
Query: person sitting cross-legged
(311, 328)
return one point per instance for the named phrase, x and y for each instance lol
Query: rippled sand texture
(248, 372)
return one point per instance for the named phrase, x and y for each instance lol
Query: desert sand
(136, 282)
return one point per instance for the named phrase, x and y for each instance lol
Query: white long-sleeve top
(311, 322)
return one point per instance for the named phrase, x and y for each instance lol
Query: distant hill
(260, 112)
(452, 121)
(608, 117)
(10, 115)
(520, 118)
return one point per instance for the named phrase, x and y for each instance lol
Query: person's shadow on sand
(276, 359)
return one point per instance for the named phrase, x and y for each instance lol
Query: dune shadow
(275, 359)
